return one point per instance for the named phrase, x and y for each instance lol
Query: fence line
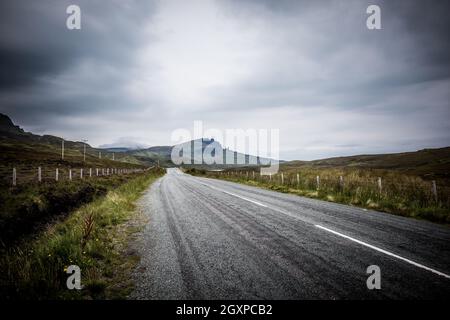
(415, 188)
(25, 175)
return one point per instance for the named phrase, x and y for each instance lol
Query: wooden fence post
(341, 182)
(282, 178)
(14, 177)
(56, 174)
(298, 179)
(434, 189)
(318, 182)
(81, 173)
(380, 185)
(96, 170)
(39, 174)
(90, 172)
(70, 174)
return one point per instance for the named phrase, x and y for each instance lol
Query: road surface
(213, 239)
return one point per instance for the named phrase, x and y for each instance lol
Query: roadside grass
(93, 237)
(27, 208)
(401, 194)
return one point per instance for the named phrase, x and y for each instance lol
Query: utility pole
(84, 149)
(62, 149)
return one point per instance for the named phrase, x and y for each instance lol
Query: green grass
(401, 194)
(94, 237)
(26, 208)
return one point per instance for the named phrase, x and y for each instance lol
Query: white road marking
(256, 202)
(340, 234)
(385, 252)
(237, 196)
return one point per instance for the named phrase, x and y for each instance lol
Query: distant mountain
(198, 147)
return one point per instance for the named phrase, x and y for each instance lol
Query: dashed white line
(385, 252)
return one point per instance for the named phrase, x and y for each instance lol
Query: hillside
(24, 148)
(427, 163)
(158, 154)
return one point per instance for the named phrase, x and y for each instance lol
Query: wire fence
(401, 189)
(26, 174)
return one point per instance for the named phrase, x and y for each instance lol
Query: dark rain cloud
(120, 70)
(37, 48)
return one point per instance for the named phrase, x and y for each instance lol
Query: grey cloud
(146, 68)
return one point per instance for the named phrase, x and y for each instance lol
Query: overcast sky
(137, 70)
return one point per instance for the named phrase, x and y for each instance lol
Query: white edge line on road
(385, 252)
(237, 196)
(343, 236)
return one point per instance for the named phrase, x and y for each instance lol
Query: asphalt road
(212, 239)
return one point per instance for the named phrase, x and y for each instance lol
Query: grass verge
(94, 237)
(26, 209)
